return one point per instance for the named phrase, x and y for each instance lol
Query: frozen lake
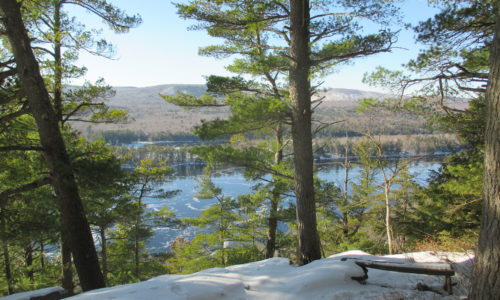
(231, 180)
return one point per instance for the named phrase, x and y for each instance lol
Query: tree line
(282, 49)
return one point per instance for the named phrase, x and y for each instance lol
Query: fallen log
(440, 269)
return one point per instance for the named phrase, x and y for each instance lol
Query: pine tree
(405, 195)
(219, 218)
(310, 44)
(257, 109)
(50, 25)
(104, 187)
(55, 152)
(136, 220)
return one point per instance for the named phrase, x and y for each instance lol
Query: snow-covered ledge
(51, 293)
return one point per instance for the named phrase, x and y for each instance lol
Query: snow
(275, 278)
(34, 294)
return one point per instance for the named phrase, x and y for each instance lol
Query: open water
(231, 180)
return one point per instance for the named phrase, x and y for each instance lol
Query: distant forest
(400, 132)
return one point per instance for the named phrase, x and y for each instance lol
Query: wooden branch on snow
(442, 269)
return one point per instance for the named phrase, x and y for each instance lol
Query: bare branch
(44, 50)
(340, 14)
(93, 121)
(6, 74)
(80, 106)
(283, 7)
(324, 125)
(5, 64)
(24, 188)
(13, 115)
(279, 32)
(348, 56)
(20, 148)
(95, 11)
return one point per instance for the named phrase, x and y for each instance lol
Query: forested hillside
(153, 117)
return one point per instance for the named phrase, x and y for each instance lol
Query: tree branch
(24, 188)
(351, 55)
(20, 148)
(78, 107)
(6, 74)
(13, 115)
(44, 50)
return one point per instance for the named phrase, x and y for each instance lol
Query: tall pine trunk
(57, 61)
(104, 253)
(70, 205)
(300, 93)
(6, 254)
(137, 256)
(275, 199)
(387, 187)
(273, 224)
(137, 245)
(345, 214)
(42, 254)
(66, 266)
(486, 273)
(7, 270)
(28, 260)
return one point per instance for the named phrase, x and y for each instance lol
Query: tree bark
(28, 259)
(66, 264)
(275, 200)
(273, 224)
(387, 187)
(300, 93)
(137, 256)
(345, 213)
(486, 273)
(104, 254)
(42, 255)
(136, 234)
(73, 216)
(57, 61)
(6, 254)
(8, 272)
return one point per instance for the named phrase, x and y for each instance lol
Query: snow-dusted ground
(275, 278)
(34, 294)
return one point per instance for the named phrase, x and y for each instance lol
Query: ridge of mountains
(133, 96)
(151, 114)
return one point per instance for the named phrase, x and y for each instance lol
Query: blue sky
(163, 51)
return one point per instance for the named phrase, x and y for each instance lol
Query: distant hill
(130, 97)
(345, 97)
(153, 115)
